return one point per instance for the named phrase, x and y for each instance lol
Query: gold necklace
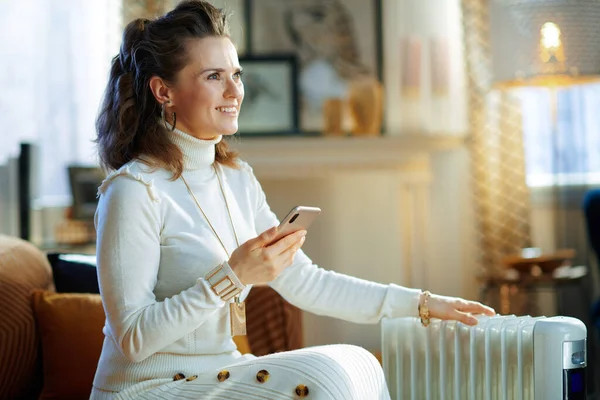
(237, 309)
(206, 217)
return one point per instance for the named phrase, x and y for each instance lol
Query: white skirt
(332, 372)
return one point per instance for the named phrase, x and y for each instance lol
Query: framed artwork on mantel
(335, 41)
(271, 95)
(424, 68)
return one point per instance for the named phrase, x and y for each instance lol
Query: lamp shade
(544, 42)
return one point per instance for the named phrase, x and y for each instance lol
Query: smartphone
(299, 218)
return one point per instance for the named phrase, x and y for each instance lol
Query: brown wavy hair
(129, 125)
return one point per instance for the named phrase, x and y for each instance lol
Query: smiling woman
(186, 72)
(184, 231)
(208, 92)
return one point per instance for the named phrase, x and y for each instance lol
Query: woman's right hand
(256, 262)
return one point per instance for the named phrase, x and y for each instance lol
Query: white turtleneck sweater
(154, 248)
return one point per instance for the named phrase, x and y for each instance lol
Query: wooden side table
(520, 296)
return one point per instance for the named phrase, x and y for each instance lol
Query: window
(566, 152)
(54, 63)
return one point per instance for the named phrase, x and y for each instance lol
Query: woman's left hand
(454, 308)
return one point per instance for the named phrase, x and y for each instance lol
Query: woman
(183, 228)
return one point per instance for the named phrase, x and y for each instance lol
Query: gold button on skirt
(178, 377)
(223, 375)
(262, 376)
(301, 390)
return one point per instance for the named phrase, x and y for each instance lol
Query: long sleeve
(128, 255)
(328, 293)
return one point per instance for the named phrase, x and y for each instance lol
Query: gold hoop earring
(163, 116)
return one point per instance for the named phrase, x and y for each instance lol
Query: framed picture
(271, 95)
(84, 183)
(335, 41)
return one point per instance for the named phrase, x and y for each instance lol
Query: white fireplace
(375, 196)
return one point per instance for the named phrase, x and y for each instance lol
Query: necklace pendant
(237, 316)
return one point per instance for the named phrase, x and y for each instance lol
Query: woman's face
(208, 91)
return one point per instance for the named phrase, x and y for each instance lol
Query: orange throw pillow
(70, 328)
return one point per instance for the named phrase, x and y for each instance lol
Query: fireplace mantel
(301, 157)
(408, 158)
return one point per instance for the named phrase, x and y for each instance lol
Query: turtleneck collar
(197, 153)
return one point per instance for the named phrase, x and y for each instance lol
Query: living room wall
(358, 232)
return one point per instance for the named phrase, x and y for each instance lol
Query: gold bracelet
(224, 283)
(424, 309)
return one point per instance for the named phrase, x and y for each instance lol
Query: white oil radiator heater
(503, 357)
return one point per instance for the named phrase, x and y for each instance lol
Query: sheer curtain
(566, 153)
(501, 201)
(54, 63)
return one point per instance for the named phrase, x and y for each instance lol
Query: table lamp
(544, 43)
